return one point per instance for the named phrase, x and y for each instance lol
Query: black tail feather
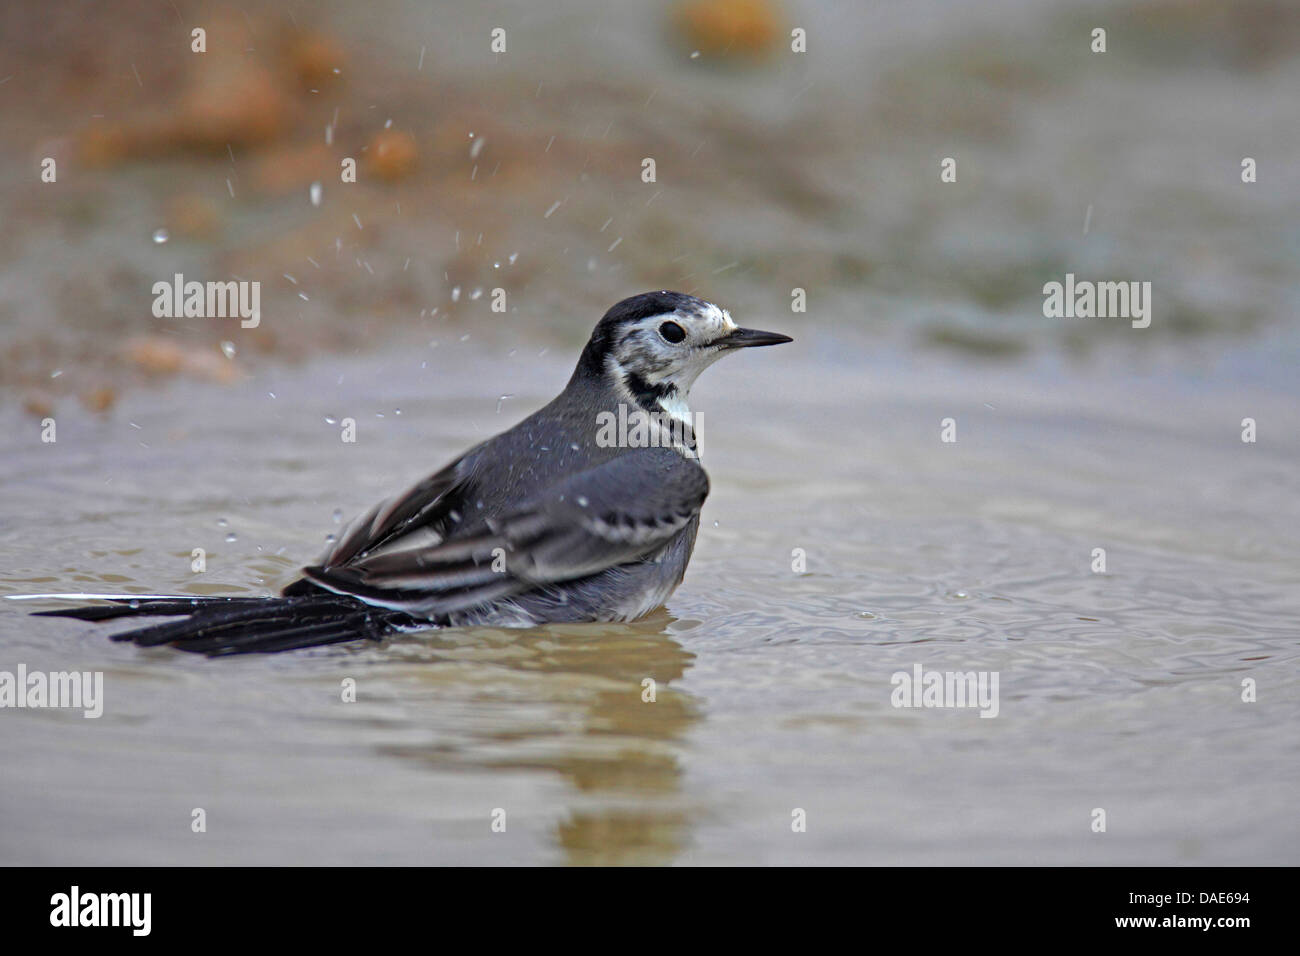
(225, 626)
(159, 607)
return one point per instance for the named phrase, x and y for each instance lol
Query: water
(1119, 690)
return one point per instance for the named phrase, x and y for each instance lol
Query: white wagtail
(548, 521)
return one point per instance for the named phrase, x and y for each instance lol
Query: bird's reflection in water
(573, 700)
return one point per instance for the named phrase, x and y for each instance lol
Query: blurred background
(522, 170)
(775, 171)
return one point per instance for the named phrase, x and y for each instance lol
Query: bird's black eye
(672, 332)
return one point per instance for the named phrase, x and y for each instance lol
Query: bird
(587, 510)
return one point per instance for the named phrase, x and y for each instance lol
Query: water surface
(1119, 690)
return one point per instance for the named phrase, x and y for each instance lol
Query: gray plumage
(549, 521)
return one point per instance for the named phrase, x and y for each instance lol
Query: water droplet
(314, 193)
(160, 236)
(228, 349)
(222, 523)
(331, 421)
(455, 294)
(231, 537)
(330, 538)
(338, 515)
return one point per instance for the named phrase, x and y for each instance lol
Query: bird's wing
(611, 514)
(426, 505)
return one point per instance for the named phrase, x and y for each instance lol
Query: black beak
(745, 338)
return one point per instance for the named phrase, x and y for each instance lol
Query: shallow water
(1119, 690)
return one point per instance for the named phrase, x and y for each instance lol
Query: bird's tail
(219, 626)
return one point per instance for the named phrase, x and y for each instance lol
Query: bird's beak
(745, 338)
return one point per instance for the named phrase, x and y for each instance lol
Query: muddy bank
(524, 171)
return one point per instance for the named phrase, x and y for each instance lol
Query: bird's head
(656, 344)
